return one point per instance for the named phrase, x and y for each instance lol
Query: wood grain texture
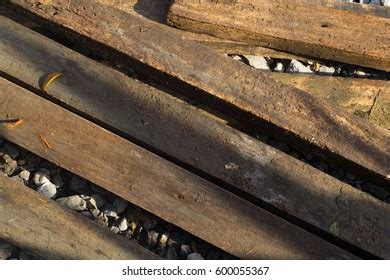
(51, 231)
(186, 134)
(147, 47)
(324, 32)
(154, 184)
(157, 10)
(369, 99)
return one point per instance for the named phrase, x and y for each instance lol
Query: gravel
(7, 164)
(297, 67)
(48, 189)
(41, 177)
(119, 205)
(74, 202)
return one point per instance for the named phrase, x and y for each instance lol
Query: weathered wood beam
(51, 231)
(297, 27)
(147, 47)
(157, 10)
(184, 133)
(369, 99)
(154, 184)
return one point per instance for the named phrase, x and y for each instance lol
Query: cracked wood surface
(147, 47)
(49, 230)
(157, 185)
(322, 32)
(183, 131)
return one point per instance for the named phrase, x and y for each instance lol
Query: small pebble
(122, 225)
(74, 202)
(24, 175)
(194, 256)
(47, 189)
(7, 164)
(110, 211)
(185, 250)
(41, 177)
(171, 253)
(114, 229)
(326, 71)
(95, 212)
(120, 205)
(152, 239)
(257, 62)
(102, 219)
(297, 67)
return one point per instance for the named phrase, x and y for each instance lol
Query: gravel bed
(310, 68)
(101, 206)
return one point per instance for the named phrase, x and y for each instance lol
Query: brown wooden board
(51, 231)
(147, 47)
(154, 184)
(187, 135)
(157, 10)
(369, 99)
(297, 27)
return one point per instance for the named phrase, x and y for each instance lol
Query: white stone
(257, 62)
(41, 177)
(47, 189)
(297, 67)
(74, 202)
(122, 225)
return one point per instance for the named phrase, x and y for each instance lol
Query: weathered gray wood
(43, 227)
(185, 133)
(154, 184)
(147, 47)
(323, 32)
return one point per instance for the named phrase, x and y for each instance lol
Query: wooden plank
(369, 99)
(147, 47)
(157, 10)
(323, 32)
(51, 231)
(182, 131)
(154, 184)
